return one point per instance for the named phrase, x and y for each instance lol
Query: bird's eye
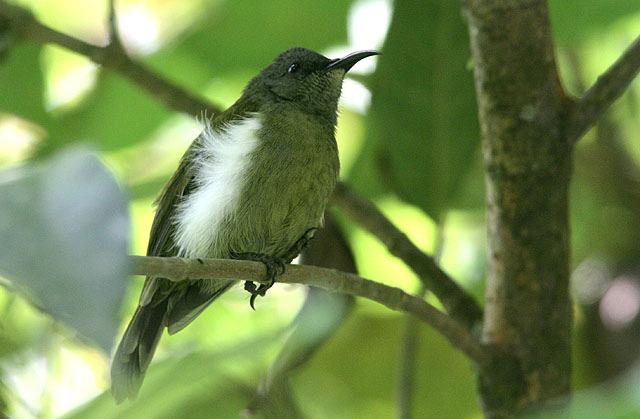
(293, 68)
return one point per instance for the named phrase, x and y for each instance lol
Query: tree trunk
(522, 111)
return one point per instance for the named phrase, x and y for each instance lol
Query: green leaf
(22, 82)
(357, 373)
(63, 241)
(575, 20)
(422, 128)
(320, 317)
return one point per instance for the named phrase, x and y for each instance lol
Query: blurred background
(409, 140)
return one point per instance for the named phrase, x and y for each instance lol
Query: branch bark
(172, 96)
(180, 269)
(457, 301)
(609, 87)
(528, 161)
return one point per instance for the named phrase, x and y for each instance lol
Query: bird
(253, 185)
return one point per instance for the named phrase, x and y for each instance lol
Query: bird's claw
(275, 266)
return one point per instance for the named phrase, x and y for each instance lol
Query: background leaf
(22, 91)
(422, 130)
(63, 241)
(357, 372)
(575, 20)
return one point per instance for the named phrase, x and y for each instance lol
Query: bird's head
(305, 79)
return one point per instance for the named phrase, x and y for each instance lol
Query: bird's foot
(275, 266)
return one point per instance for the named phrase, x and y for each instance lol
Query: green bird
(253, 185)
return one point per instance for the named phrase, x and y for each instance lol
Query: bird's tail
(136, 350)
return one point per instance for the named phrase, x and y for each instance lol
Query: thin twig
(407, 374)
(114, 32)
(609, 86)
(172, 96)
(180, 269)
(410, 342)
(459, 304)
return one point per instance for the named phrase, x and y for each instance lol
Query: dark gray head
(305, 79)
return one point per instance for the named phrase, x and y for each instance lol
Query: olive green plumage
(256, 179)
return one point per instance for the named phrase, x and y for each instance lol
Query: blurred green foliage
(23, 83)
(423, 117)
(415, 151)
(95, 122)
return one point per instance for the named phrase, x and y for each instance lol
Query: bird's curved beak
(345, 63)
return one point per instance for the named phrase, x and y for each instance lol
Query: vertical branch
(406, 381)
(527, 168)
(409, 348)
(408, 351)
(114, 33)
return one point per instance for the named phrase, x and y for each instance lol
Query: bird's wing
(161, 238)
(180, 185)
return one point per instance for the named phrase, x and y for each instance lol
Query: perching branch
(460, 305)
(609, 86)
(180, 269)
(174, 97)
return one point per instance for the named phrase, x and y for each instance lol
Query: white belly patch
(220, 173)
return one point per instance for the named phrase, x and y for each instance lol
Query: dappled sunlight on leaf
(69, 77)
(18, 139)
